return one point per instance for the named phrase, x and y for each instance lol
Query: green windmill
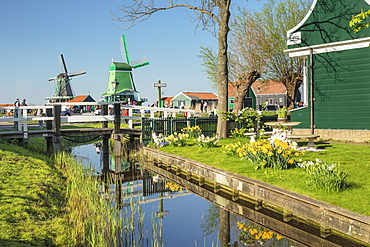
(121, 86)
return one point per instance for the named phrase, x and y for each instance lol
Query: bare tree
(277, 19)
(249, 47)
(210, 14)
(257, 48)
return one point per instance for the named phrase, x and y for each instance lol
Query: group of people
(17, 103)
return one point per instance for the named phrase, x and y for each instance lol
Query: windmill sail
(137, 63)
(124, 50)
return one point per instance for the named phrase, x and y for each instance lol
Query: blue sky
(34, 33)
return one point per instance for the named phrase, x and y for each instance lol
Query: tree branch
(140, 11)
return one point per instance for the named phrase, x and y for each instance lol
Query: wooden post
(104, 111)
(49, 126)
(25, 127)
(57, 123)
(117, 137)
(312, 98)
(105, 138)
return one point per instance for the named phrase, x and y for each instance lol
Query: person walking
(25, 104)
(16, 105)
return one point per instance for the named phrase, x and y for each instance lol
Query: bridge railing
(22, 115)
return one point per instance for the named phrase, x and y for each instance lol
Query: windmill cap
(120, 66)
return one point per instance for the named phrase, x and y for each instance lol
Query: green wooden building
(337, 69)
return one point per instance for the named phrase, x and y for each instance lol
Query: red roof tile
(79, 98)
(5, 105)
(201, 95)
(268, 87)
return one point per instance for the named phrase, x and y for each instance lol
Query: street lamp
(115, 84)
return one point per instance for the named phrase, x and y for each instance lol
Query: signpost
(159, 85)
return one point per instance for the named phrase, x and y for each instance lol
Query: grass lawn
(31, 198)
(355, 159)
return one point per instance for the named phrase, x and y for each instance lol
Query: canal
(166, 214)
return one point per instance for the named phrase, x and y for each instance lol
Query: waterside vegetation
(49, 201)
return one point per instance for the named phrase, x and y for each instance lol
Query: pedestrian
(65, 111)
(265, 105)
(16, 104)
(214, 112)
(205, 106)
(25, 104)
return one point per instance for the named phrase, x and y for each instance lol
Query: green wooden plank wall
(342, 91)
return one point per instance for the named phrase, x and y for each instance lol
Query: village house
(271, 90)
(195, 101)
(336, 86)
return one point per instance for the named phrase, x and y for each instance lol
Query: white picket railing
(22, 118)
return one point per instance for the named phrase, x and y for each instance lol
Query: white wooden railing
(22, 118)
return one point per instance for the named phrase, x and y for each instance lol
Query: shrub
(325, 177)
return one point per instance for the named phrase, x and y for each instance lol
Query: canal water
(168, 215)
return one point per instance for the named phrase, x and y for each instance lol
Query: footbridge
(53, 123)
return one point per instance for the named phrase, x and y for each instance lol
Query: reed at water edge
(93, 219)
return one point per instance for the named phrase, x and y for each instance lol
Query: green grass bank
(353, 158)
(49, 201)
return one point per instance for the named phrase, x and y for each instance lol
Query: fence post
(105, 138)
(25, 126)
(117, 137)
(130, 124)
(49, 126)
(57, 122)
(104, 112)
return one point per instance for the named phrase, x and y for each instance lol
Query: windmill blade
(76, 73)
(63, 64)
(137, 63)
(124, 49)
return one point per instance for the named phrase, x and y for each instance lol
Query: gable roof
(82, 98)
(268, 87)
(325, 28)
(200, 96)
(167, 99)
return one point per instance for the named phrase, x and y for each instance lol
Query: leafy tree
(212, 15)
(357, 23)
